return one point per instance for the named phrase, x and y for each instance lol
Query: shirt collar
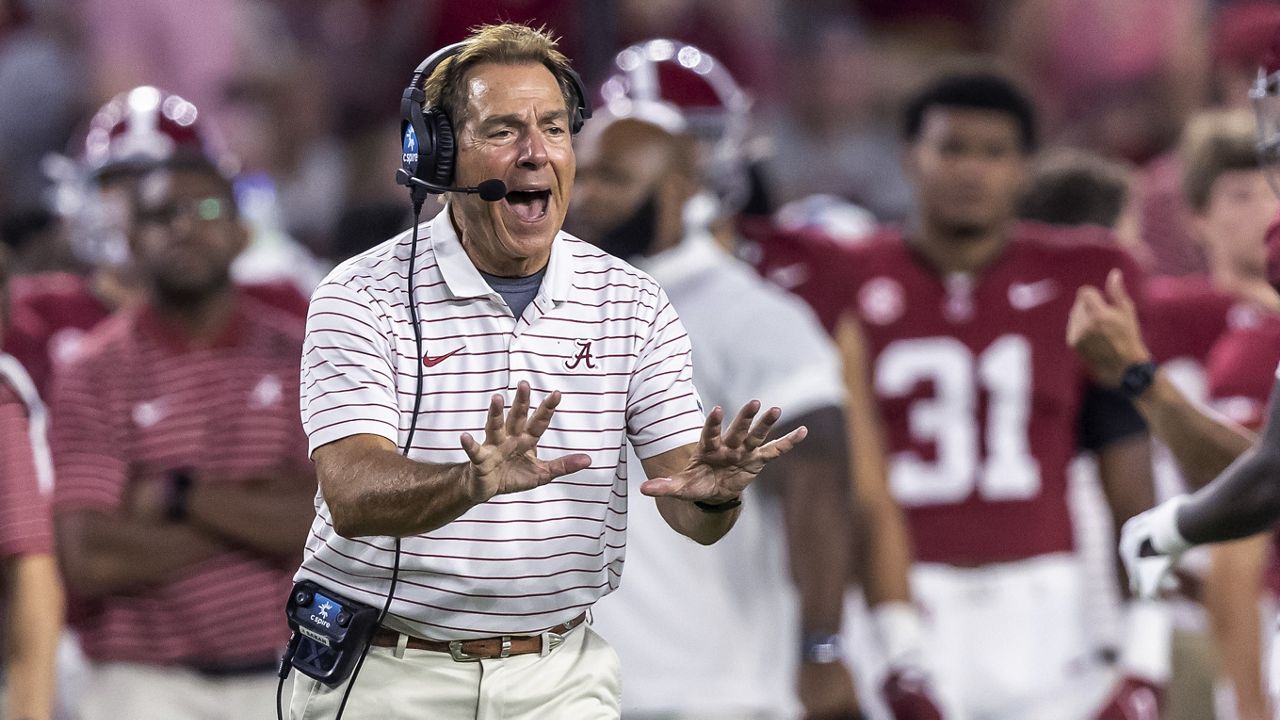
(464, 280)
(694, 254)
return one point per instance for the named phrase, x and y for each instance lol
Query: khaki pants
(115, 691)
(578, 680)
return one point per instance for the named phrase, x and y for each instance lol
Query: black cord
(408, 444)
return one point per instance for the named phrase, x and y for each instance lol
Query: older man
(498, 529)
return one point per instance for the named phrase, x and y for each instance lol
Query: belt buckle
(550, 641)
(455, 651)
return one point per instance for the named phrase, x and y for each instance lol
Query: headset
(327, 650)
(428, 141)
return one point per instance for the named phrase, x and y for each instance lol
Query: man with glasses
(184, 492)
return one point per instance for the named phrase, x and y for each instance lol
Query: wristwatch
(822, 649)
(179, 494)
(1137, 378)
(725, 506)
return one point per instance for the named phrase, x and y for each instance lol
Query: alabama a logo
(583, 357)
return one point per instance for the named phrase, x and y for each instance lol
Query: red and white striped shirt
(599, 331)
(26, 478)
(137, 403)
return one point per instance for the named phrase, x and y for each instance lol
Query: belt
(483, 648)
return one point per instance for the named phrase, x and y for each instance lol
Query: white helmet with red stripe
(681, 88)
(146, 127)
(135, 131)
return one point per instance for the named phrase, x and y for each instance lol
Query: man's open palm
(722, 466)
(507, 460)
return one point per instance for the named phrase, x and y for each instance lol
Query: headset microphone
(491, 190)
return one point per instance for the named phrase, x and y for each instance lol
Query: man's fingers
(741, 424)
(783, 445)
(541, 419)
(660, 487)
(568, 464)
(1092, 301)
(710, 439)
(761, 430)
(470, 447)
(518, 416)
(493, 423)
(1116, 291)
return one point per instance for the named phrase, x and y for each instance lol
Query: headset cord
(408, 444)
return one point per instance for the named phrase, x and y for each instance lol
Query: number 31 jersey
(983, 401)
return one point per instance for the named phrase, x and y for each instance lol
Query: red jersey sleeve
(26, 526)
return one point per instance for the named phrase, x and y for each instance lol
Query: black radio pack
(330, 632)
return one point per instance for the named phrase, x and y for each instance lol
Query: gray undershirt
(517, 291)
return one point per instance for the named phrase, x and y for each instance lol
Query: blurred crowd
(305, 94)
(1141, 110)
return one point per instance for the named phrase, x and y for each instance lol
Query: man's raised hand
(722, 466)
(507, 461)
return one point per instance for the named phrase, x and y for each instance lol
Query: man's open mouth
(528, 205)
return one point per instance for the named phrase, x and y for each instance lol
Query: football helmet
(681, 88)
(133, 132)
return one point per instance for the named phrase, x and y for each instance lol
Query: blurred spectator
(39, 81)
(825, 138)
(1230, 201)
(278, 125)
(1116, 76)
(134, 132)
(32, 591)
(1074, 187)
(187, 44)
(1240, 35)
(184, 488)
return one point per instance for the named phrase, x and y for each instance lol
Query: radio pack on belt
(329, 632)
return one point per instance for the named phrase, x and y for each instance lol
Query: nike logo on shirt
(434, 361)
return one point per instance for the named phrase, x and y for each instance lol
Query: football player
(952, 328)
(134, 132)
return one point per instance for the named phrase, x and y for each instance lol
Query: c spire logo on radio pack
(410, 149)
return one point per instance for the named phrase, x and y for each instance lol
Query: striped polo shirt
(136, 403)
(599, 331)
(26, 473)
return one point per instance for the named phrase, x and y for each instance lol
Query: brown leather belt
(483, 648)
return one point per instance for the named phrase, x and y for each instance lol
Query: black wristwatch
(725, 506)
(179, 494)
(1137, 378)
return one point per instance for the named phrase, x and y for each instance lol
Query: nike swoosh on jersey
(1024, 296)
(434, 361)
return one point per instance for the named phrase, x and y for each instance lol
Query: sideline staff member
(513, 524)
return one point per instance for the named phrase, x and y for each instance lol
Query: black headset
(426, 132)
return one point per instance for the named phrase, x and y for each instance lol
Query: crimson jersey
(1242, 368)
(51, 312)
(1184, 316)
(983, 401)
